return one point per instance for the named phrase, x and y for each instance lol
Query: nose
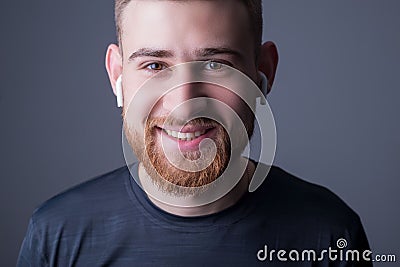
(182, 100)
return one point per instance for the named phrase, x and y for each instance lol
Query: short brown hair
(254, 8)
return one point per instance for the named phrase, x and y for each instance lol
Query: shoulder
(90, 197)
(300, 200)
(71, 220)
(302, 214)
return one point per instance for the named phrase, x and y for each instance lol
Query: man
(128, 218)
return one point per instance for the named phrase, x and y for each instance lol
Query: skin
(161, 34)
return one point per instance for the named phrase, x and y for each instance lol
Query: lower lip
(192, 145)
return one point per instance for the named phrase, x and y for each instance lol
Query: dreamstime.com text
(332, 254)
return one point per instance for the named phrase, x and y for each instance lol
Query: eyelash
(146, 67)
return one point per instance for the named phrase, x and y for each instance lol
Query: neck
(220, 204)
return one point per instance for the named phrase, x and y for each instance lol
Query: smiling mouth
(187, 136)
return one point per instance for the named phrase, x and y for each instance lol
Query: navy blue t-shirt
(109, 221)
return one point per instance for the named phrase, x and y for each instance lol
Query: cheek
(158, 109)
(138, 103)
(235, 103)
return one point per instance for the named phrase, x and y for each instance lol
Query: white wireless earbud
(264, 87)
(120, 98)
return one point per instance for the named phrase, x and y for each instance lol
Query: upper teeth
(185, 136)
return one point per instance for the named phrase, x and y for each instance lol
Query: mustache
(170, 121)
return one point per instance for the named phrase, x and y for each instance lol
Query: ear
(113, 65)
(268, 62)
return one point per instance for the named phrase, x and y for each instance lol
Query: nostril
(185, 106)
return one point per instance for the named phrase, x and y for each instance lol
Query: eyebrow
(201, 52)
(206, 52)
(150, 52)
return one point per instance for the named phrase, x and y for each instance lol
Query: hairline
(255, 20)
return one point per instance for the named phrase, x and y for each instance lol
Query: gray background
(335, 102)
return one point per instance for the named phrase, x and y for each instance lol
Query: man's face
(160, 34)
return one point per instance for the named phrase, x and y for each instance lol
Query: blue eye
(213, 65)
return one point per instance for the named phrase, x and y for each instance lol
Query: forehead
(186, 24)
